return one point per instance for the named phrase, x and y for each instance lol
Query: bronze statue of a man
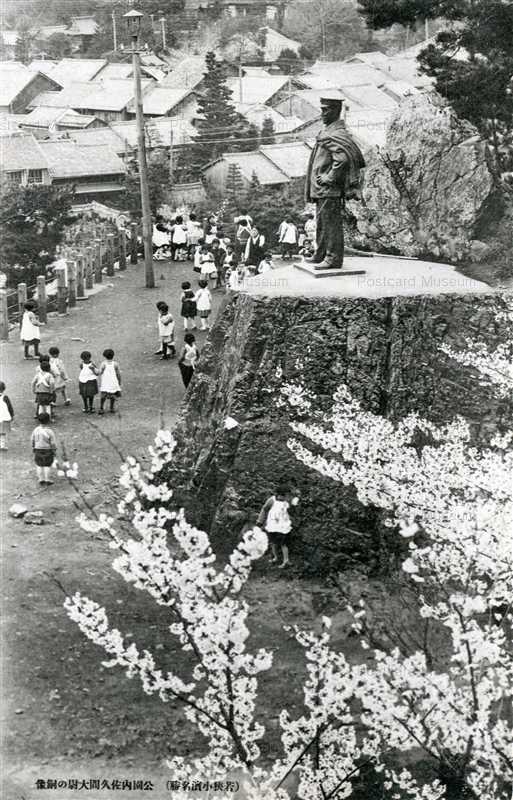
(333, 172)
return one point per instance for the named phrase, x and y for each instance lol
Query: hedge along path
(77, 274)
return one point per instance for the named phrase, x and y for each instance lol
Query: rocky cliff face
(427, 189)
(385, 350)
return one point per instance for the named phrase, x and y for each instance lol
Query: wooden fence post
(22, 298)
(98, 260)
(122, 249)
(133, 243)
(80, 276)
(61, 292)
(4, 319)
(110, 254)
(72, 283)
(89, 267)
(42, 300)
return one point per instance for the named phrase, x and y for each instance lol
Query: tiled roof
(45, 67)
(255, 89)
(20, 151)
(113, 71)
(14, 77)
(157, 130)
(92, 137)
(255, 162)
(369, 96)
(341, 74)
(153, 72)
(290, 157)
(374, 57)
(72, 119)
(399, 89)
(160, 99)
(108, 95)
(45, 31)
(69, 97)
(44, 116)
(69, 70)
(406, 69)
(70, 160)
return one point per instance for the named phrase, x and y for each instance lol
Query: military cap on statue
(331, 97)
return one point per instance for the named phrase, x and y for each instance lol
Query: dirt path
(58, 710)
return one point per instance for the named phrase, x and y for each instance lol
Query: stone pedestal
(326, 273)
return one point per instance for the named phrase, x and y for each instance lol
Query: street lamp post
(133, 21)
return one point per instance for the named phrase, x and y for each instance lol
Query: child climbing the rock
(275, 519)
(6, 416)
(87, 381)
(110, 381)
(44, 447)
(29, 331)
(59, 373)
(188, 310)
(166, 328)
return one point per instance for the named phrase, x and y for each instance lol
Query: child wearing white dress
(59, 373)
(166, 327)
(87, 381)
(29, 331)
(208, 266)
(6, 416)
(179, 240)
(275, 519)
(204, 303)
(110, 381)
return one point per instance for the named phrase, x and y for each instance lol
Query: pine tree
(268, 131)
(23, 46)
(220, 127)
(234, 191)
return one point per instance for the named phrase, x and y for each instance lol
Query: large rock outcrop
(426, 191)
(386, 350)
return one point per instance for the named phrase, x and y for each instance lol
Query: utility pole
(171, 152)
(289, 89)
(114, 31)
(163, 28)
(240, 73)
(133, 19)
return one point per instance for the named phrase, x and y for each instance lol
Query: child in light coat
(166, 328)
(59, 373)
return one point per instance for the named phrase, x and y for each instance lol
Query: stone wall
(426, 191)
(386, 350)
